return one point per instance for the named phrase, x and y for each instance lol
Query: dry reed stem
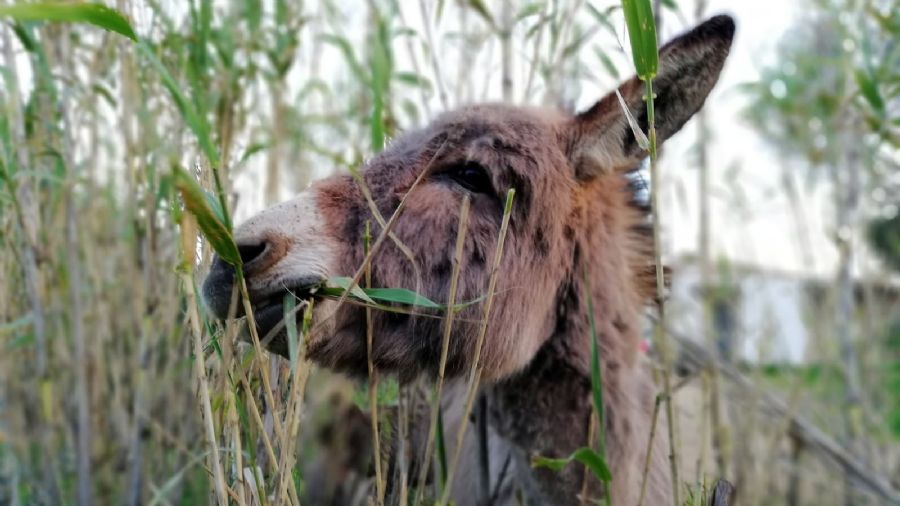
(292, 420)
(649, 454)
(705, 414)
(380, 484)
(74, 271)
(373, 208)
(477, 367)
(235, 428)
(28, 217)
(659, 329)
(23, 202)
(405, 444)
(354, 282)
(257, 418)
(365, 269)
(445, 344)
(259, 357)
(188, 240)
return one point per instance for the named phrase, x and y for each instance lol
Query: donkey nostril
(250, 252)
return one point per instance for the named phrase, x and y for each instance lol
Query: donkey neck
(546, 409)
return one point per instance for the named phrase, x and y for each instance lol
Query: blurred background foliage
(98, 400)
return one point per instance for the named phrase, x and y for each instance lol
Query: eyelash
(473, 177)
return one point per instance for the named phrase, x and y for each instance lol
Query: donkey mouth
(272, 319)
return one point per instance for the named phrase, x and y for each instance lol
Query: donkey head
(569, 175)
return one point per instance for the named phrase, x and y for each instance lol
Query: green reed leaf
(401, 296)
(194, 120)
(90, 13)
(344, 284)
(594, 461)
(642, 34)
(198, 203)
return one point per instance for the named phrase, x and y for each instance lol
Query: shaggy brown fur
(574, 221)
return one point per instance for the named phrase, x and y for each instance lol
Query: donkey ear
(601, 139)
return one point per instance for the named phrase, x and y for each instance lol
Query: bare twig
(660, 333)
(477, 366)
(373, 383)
(292, 421)
(445, 344)
(385, 233)
(189, 240)
(649, 455)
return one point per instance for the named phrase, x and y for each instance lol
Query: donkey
(576, 230)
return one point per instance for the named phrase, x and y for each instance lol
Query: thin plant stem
(649, 453)
(477, 366)
(235, 427)
(373, 382)
(354, 282)
(258, 350)
(376, 213)
(189, 239)
(257, 417)
(445, 345)
(660, 327)
(292, 422)
(405, 443)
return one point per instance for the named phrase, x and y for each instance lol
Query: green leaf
(347, 50)
(642, 34)
(198, 204)
(16, 325)
(344, 284)
(381, 296)
(413, 79)
(596, 377)
(195, 121)
(869, 90)
(482, 10)
(607, 62)
(585, 455)
(670, 4)
(91, 13)
(387, 394)
(529, 10)
(104, 92)
(603, 17)
(214, 206)
(401, 296)
(441, 445)
(252, 150)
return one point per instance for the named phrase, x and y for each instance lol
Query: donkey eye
(473, 177)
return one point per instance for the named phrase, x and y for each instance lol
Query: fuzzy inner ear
(689, 66)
